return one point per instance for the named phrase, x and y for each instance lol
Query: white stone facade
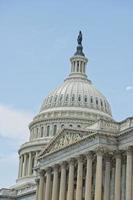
(76, 150)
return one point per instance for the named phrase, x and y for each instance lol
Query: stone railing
(28, 189)
(105, 125)
(7, 192)
(126, 124)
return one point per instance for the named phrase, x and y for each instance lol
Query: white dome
(77, 92)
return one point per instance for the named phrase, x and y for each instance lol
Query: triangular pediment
(65, 138)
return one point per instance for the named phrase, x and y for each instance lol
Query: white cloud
(14, 123)
(9, 170)
(13, 132)
(129, 88)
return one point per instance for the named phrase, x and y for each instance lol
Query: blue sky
(37, 38)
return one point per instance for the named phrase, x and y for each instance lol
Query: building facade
(76, 149)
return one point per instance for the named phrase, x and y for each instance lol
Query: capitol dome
(74, 104)
(77, 91)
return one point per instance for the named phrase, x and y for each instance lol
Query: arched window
(55, 98)
(48, 130)
(78, 126)
(33, 163)
(71, 125)
(55, 129)
(91, 100)
(85, 99)
(81, 66)
(36, 132)
(67, 96)
(96, 101)
(105, 105)
(73, 97)
(62, 125)
(79, 98)
(61, 97)
(101, 103)
(50, 99)
(77, 66)
(42, 131)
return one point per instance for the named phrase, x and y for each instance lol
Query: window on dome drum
(101, 103)
(73, 97)
(55, 129)
(79, 98)
(105, 105)
(81, 66)
(61, 97)
(91, 100)
(67, 96)
(55, 98)
(50, 99)
(78, 126)
(62, 125)
(42, 131)
(36, 132)
(33, 161)
(84, 68)
(71, 125)
(96, 101)
(74, 66)
(77, 66)
(85, 99)
(48, 130)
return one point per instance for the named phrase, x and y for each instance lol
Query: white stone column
(70, 192)
(98, 184)
(20, 166)
(35, 163)
(79, 189)
(118, 177)
(30, 164)
(88, 183)
(107, 178)
(41, 186)
(129, 175)
(24, 165)
(48, 184)
(55, 191)
(37, 188)
(62, 195)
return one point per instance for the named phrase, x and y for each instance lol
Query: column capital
(41, 173)
(48, 170)
(108, 157)
(100, 150)
(129, 149)
(80, 158)
(55, 167)
(71, 161)
(89, 154)
(63, 164)
(118, 154)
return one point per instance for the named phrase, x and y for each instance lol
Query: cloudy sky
(37, 38)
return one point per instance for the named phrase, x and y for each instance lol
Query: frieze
(64, 139)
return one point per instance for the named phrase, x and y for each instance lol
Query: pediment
(64, 139)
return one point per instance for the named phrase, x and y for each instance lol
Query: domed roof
(77, 91)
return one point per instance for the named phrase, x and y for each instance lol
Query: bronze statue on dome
(79, 39)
